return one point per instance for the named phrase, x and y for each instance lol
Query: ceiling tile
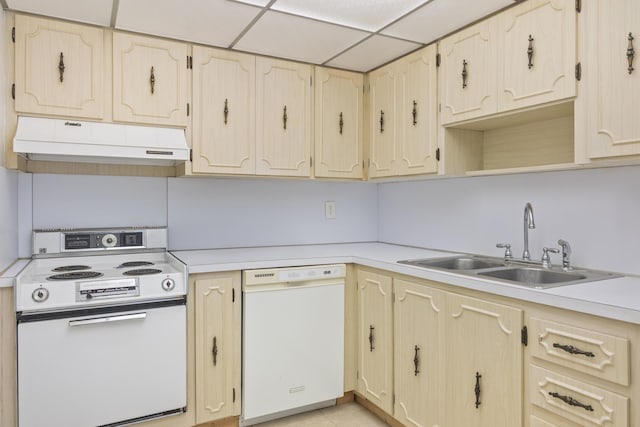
(292, 37)
(440, 17)
(370, 15)
(212, 22)
(254, 2)
(96, 12)
(372, 53)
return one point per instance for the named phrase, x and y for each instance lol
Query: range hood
(93, 142)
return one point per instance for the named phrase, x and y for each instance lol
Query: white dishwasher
(293, 340)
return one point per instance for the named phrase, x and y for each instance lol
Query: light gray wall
(597, 211)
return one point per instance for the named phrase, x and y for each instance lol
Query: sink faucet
(528, 223)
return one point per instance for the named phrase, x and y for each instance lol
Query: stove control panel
(84, 241)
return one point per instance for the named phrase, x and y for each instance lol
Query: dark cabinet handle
(477, 389)
(152, 81)
(571, 401)
(341, 123)
(225, 111)
(214, 351)
(573, 350)
(284, 118)
(416, 361)
(631, 53)
(414, 112)
(371, 328)
(61, 67)
(464, 74)
(530, 52)
(381, 121)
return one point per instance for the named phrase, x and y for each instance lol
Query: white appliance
(101, 324)
(293, 340)
(79, 141)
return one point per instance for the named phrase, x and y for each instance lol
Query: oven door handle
(108, 319)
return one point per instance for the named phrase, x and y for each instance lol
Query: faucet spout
(529, 223)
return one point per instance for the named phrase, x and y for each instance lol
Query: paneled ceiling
(351, 34)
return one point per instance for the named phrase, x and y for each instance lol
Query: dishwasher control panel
(293, 274)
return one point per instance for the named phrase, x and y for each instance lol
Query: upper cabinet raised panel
(338, 123)
(223, 111)
(468, 83)
(283, 118)
(149, 80)
(417, 113)
(58, 68)
(537, 45)
(382, 99)
(611, 80)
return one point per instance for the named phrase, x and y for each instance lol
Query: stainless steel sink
(523, 273)
(455, 263)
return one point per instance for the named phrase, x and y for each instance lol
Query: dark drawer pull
(371, 328)
(477, 389)
(571, 401)
(573, 350)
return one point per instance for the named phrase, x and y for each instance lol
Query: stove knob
(40, 295)
(168, 284)
(109, 240)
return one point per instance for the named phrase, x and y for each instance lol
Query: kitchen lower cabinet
(59, 68)
(483, 363)
(217, 345)
(150, 83)
(418, 321)
(375, 339)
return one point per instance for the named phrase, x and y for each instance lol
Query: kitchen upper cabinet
(418, 323)
(484, 363)
(338, 123)
(217, 345)
(382, 116)
(417, 115)
(375, 340)
(468, 83)
(537, 46)
(223, 111)
(150, 82)
(58, 68)
(611, 78)
(283, 118)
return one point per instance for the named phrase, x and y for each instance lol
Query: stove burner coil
(142, 272)
(134, 264)
(74, 275)
(71, 268)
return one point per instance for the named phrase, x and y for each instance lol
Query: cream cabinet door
(418, 322)
(537, 50)
(468, 83)
(283, 118)
(223, 111)
(149, 80)
(375, 349)
(417, 118)
(58, 68)
(382, 131)
(217, 345)
(610, 83)
(484, 363)
(338, 123)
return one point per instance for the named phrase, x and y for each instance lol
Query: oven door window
(103, 368)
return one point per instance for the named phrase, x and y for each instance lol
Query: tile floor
(346, 415)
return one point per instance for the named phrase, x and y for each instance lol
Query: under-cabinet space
(507, 144)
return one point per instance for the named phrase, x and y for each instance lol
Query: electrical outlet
(330, 210)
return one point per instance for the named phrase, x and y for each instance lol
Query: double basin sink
(513, 271)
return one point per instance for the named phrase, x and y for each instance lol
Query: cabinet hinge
(310, 161)
(190, 155)
(13, 34)
(439, 108)
(234, 394)
(310, 80)
(189, 62)
(578, 71)
(233, 294)
(524, 336)
(13, 91)
(437, 59)
(438, 154)
(579, 6)
(393, 399)
(188, 109)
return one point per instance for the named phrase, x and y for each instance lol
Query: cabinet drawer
(602, 355)
(582, 403)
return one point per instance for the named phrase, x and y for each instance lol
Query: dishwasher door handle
(108, 319)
